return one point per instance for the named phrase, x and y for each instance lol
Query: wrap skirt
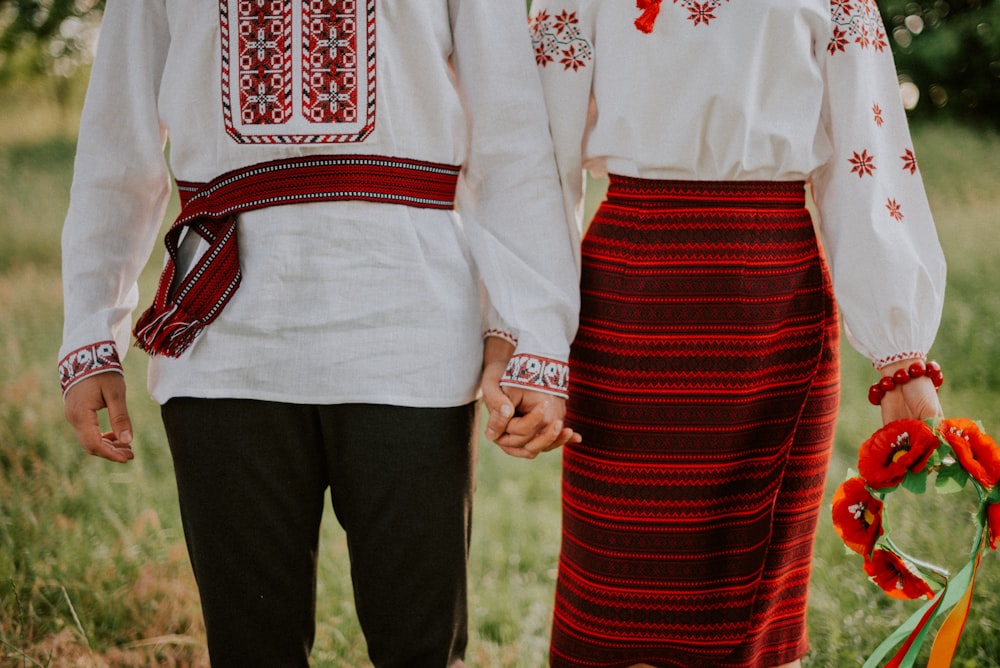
(705, 386)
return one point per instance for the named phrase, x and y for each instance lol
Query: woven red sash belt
(182, 309)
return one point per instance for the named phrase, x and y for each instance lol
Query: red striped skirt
(705, 385)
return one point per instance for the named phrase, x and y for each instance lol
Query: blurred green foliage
(949, 50)
(46, 37)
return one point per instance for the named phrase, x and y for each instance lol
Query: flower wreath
(903, 454)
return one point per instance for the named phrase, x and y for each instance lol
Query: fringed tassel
(168, 333)
(651, 10)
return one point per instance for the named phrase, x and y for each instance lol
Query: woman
(705, 367)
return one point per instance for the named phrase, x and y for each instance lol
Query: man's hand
(83, 403)
(537, 425)
(522, 422)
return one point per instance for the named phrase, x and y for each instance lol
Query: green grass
(93, 570)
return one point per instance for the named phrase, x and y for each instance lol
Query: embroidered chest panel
(298, 71)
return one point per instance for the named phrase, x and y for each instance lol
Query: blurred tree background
(948, 56)
(947, 51)
(47, 42)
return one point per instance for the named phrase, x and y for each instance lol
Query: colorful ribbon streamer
(955, 596)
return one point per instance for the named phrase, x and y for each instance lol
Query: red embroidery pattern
(884, 362)
(265, 63)
(86, 361)
(909, 161)
(537, 373)
(334, 60)
(501, 334)
(858, 22)
(701, 12)
(863, 164)
(330, 61)
(894, 209)
(877, 113)
(558, 37)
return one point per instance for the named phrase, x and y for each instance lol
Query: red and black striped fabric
(705, 385)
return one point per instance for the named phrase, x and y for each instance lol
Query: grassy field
(93, 570)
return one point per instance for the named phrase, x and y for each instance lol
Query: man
(358, 179)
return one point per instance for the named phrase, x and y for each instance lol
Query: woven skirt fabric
(705, 385)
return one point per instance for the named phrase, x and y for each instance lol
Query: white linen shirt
(340, 302)
(778, 90)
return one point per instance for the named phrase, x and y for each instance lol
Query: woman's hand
(917, 399)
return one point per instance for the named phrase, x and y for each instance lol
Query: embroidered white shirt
(758, 89)
(340, 302)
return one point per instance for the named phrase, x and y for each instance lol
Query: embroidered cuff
(501, 334)
(87, 361)
(537, 373)
(886, 361)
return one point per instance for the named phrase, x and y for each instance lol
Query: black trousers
(251, 478)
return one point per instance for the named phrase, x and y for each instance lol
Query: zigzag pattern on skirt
(705, 387)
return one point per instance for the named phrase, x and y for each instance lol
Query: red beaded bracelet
(902, 376)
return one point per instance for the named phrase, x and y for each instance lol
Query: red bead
(934, 373)
(901, 377)
(887, 384)
(875, 394)
(917, 369)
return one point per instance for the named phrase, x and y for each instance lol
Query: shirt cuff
(886, 361)
(90, 360)
(537, 373)
(501, 334)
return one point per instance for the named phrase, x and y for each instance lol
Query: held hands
(522, 422)
(915, 399)
(83, 403)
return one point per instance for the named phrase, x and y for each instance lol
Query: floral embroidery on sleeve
(862, 164)
(87, 361)
(877, 114)
(558, 38)
(909, 161)
(537, 373)
(857, 22)
(895, 210)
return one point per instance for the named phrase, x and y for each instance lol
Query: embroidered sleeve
(537, 373)
(121, 188)
(562, 33)
(886, 261)
(87, 361)
(558, 40)
(509, 193)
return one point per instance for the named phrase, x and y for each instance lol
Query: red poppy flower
(976, 451)
(993, 521)
(857, 516)
(894, 450)
(892, 574)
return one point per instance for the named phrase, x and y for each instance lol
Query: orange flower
(993, 520)
(894, 450)
(976, 451)
(857, 516)
(892, 574)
